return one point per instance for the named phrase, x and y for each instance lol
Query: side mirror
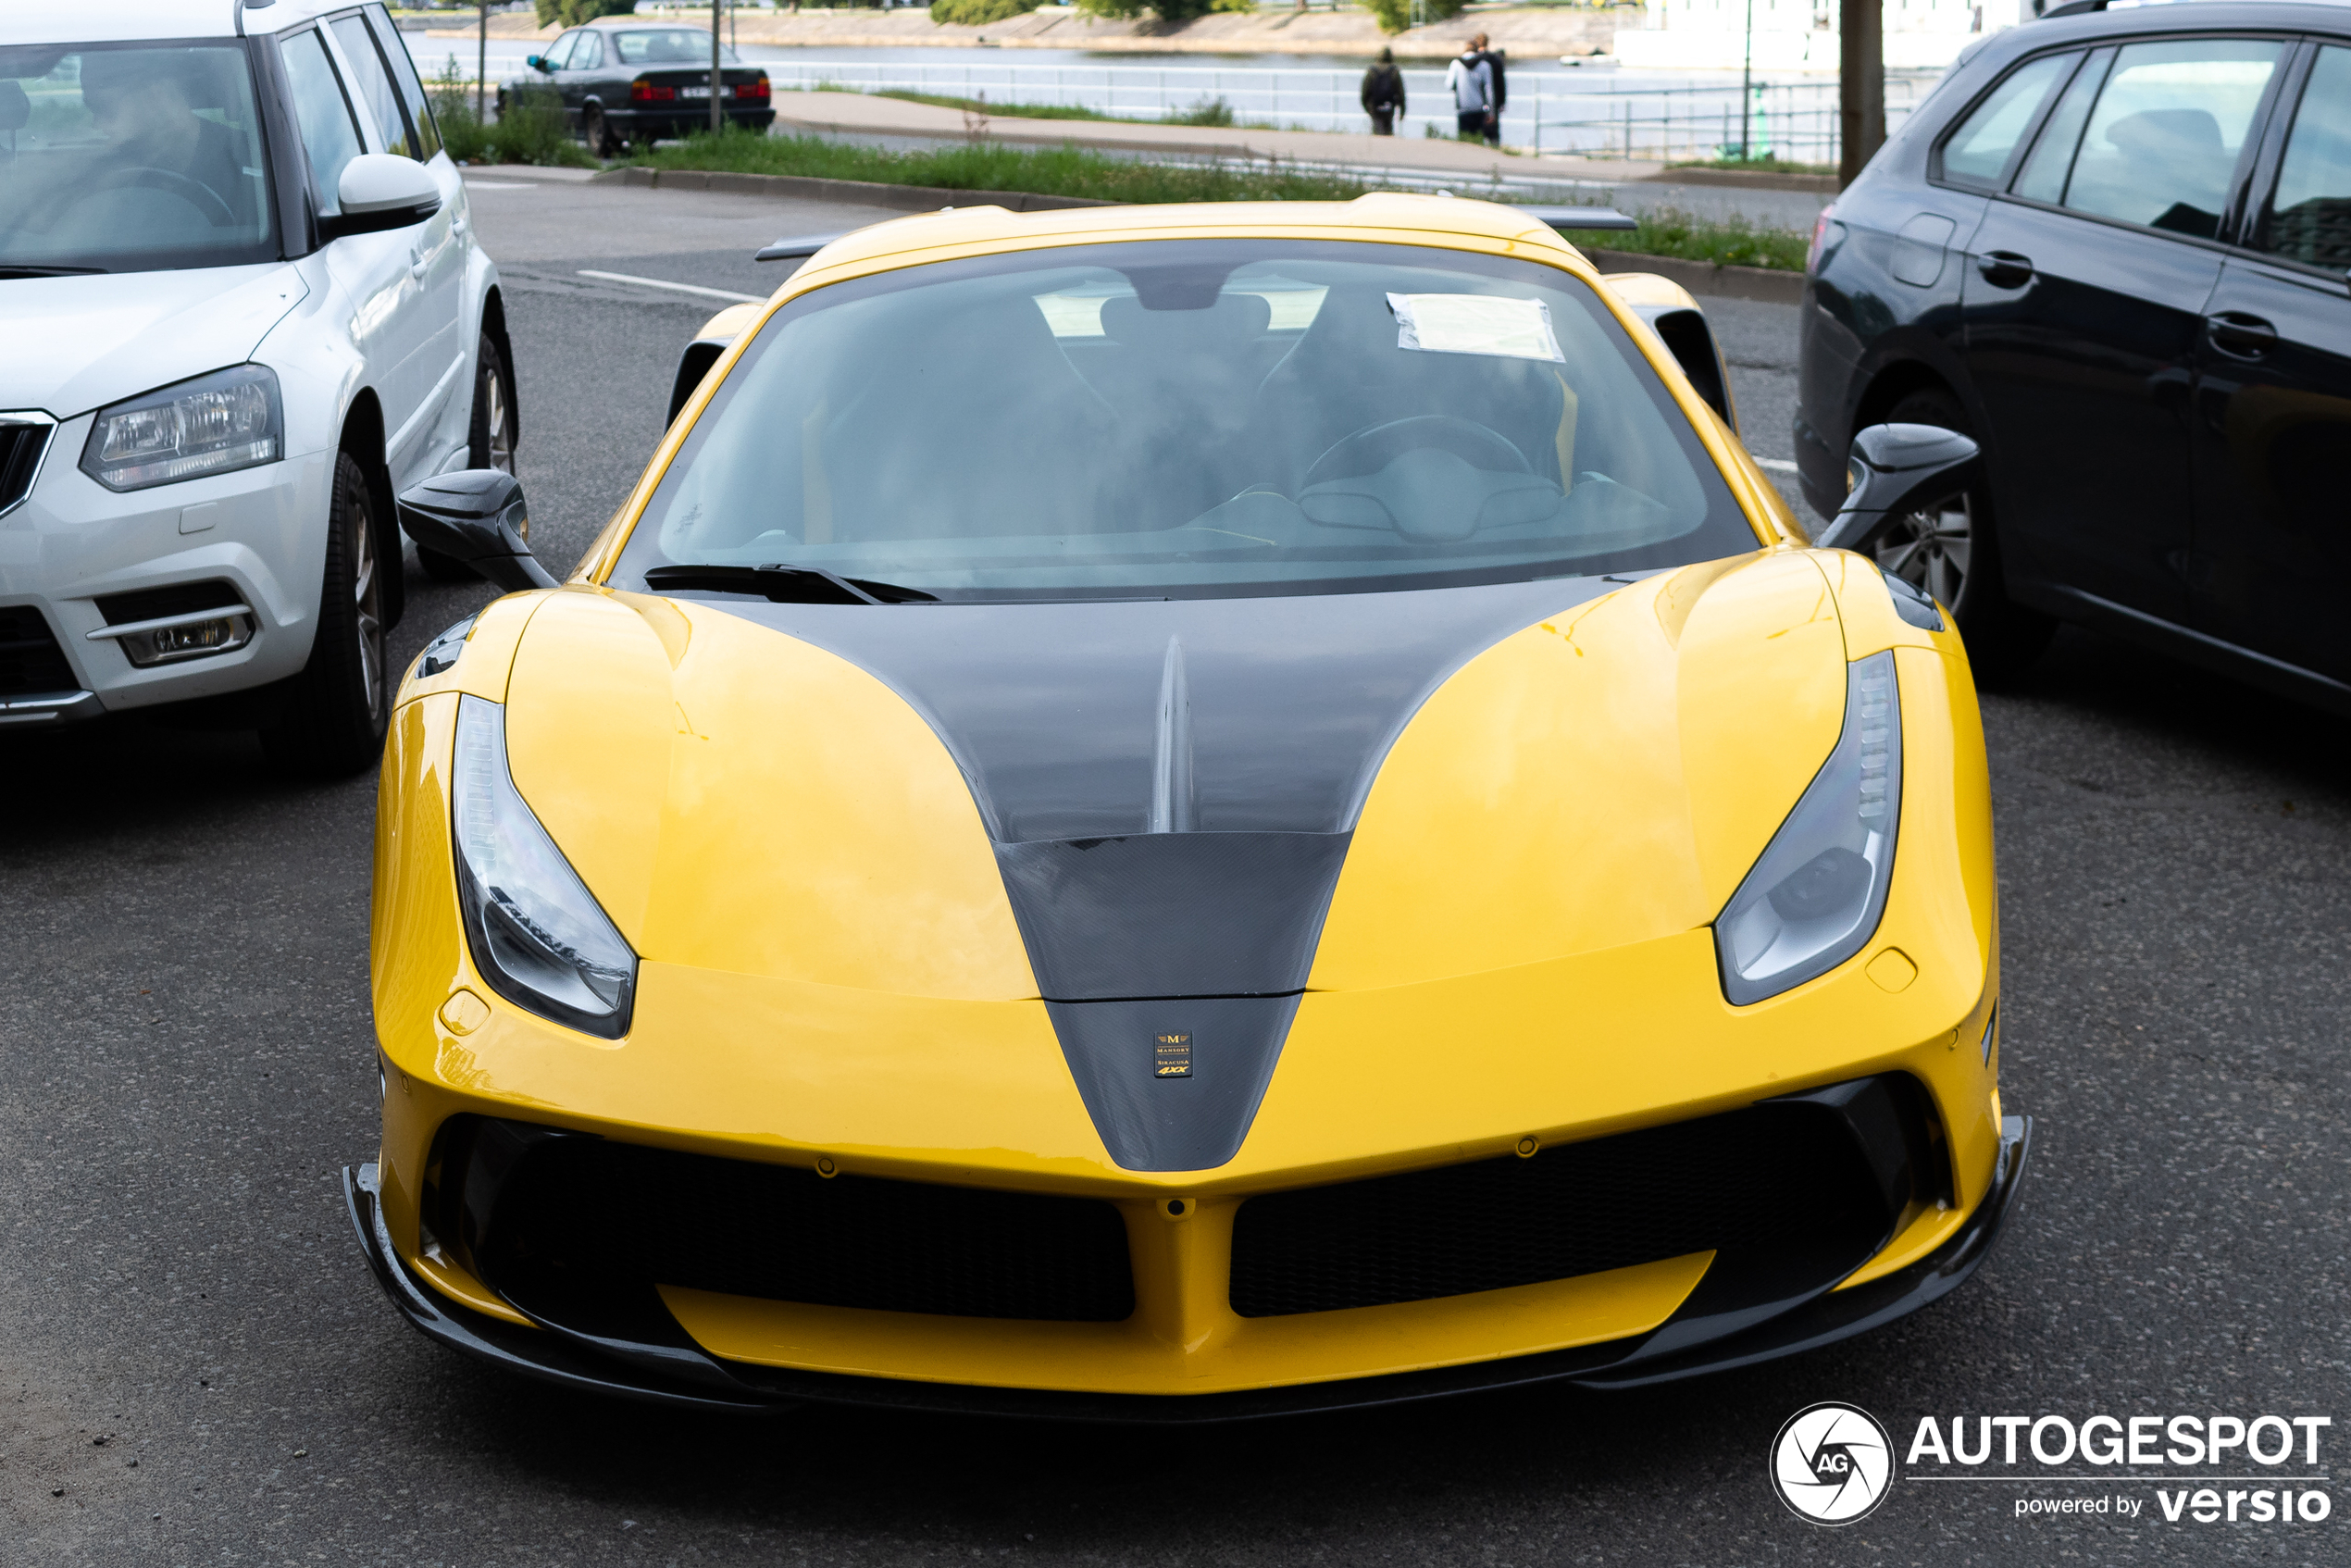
(475, 516)
(536, 62)
(379, 191)
(1895, 470)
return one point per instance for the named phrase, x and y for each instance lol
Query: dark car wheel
(1952, 552)
(490, 444)
(333, 721)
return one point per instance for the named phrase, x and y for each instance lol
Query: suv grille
(597, 1213)
(1758, 1180)
(30, 661)
(21, 443)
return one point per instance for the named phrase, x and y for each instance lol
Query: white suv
(243, 308)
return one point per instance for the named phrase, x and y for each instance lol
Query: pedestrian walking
(1495, 61)
(1471, 82)
(1384, 93)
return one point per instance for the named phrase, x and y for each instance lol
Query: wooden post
(481, 69)
(1860, 85)
(717, 114)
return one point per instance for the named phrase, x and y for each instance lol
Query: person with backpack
(1471, 82)
(1494, 59)
(1384, 93)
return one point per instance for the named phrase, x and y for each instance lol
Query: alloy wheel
(1929, 550)
(368, 608)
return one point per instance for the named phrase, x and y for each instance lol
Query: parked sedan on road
(244, 306)
(2112, 247)
(624, 82)
(1176, 813)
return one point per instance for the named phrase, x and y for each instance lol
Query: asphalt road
(195, 1367)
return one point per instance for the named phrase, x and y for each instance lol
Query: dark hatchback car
(626, 83)
(2111, 246)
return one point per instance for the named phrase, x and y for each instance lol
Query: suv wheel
(490, 444)
(336, 709)
(1952, 553)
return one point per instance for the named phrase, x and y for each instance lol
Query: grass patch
(1767, 164)
(1732, 244)
(531, 130)
(989, 166)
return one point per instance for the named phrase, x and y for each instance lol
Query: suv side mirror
(380, 191)
(1895, 470)
(475, 516)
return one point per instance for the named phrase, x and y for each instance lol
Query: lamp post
(481, 67)
(1747, 79)
(1860, 85)
(717, 116)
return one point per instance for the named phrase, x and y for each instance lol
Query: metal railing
(1792, 119)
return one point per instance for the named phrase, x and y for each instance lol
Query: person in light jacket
(1384, 93)
(1494, 59)
(1471, 80)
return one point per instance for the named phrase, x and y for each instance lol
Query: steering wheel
(195, 192)
(1369, 450)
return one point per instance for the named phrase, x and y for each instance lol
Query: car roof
(649, 24)
(2096, 18)
(126, 21)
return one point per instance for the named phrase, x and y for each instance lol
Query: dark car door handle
(2240, 336)
(2004, 270)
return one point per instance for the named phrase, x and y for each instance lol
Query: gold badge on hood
(1170, 1056)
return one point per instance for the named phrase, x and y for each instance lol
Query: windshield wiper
(784, 584)
(11, 270)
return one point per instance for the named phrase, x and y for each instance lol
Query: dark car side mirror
(475, 516)
(536, 62)
(1895, 470)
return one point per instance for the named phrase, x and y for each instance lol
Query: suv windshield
(129, 157)
(1193, 418)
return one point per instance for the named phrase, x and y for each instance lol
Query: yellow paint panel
(1239, 1354)
(812, 827)
(1870, 624)
(489, 652)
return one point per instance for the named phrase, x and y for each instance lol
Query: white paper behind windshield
(1512, 328)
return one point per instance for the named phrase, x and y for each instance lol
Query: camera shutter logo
(1831, 1463)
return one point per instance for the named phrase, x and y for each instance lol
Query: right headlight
(538, 935)
(214, 424)
(1814, 898)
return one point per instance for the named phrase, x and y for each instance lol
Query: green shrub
(571, 13)
(979, 13)
(1394, 16)
(1730, 243)
(1208, 111)
(1165, 10)
(531, 130)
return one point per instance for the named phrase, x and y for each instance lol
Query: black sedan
(622, 83)
(2112, 247)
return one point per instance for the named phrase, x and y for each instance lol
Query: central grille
(595, 1211)
(30, 661)
(21, 443)
(1755, 1181)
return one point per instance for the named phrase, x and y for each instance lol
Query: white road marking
(678, 288)
(500, 185)
(1778, 464)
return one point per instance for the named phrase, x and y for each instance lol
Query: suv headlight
(214, 424)
(538, 935)
(1814, 898)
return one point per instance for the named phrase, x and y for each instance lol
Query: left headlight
(214, 424)
(538, 935)
(1816, 895)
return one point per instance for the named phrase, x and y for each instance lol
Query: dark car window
(328, 133)
(586, 55)
(1194, 418)
(1978, 152)
(669, 46)
(555, 59)
(371, 83)
(2044, 175)
(404, 76)
(2163, 141)
(2309, 216)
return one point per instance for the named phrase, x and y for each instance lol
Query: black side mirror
(536, 62)
(475, 516)
(1895, 470)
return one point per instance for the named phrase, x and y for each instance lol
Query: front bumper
(666, 1367)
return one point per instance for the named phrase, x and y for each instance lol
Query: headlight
(215, 424)
(537, 934)
(1815, 896)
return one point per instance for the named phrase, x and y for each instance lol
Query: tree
(571, 13)
(1394, 16)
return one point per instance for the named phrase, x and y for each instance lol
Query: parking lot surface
(196, 1368)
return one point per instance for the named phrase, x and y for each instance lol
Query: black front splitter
(1823, 1321)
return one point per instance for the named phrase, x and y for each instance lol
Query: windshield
(127, 158)
(1183, 418)
(669, 46)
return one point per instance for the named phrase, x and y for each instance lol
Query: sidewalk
(857, 114)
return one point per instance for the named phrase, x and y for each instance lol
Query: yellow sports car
(1187, 813)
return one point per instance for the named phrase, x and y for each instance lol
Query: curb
(862, 193)
(1767, 284)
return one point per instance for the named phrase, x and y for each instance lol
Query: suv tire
(490, 444)
(333, 723)
(1954, 555)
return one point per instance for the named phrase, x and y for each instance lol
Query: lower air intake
(30, 662)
